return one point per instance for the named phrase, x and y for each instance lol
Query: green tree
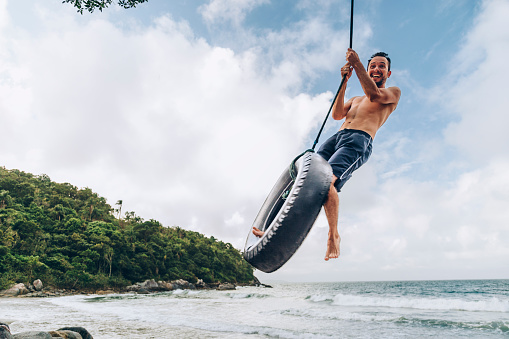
(91, 5)
(119, 210)
(70, 237)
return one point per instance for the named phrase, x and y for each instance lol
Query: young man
(351, 147)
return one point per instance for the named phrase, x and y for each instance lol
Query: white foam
(488, 305)
(321, 298)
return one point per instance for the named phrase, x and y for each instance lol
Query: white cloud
(476, 94)
(233, 11)
(4, 18)
(181, 131)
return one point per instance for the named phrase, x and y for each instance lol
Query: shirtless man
(351, 146)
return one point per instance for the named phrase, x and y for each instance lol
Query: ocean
(394, 309)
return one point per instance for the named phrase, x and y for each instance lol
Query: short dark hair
(381, 54)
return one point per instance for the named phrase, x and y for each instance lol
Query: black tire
(287, 222)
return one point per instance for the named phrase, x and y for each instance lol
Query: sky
(188, 112)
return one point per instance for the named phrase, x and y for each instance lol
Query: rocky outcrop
(5, 331)
(103, 292)
(66, 332)
(200, 284)
(83, 332)
(38, 285)
(33, 335)
(18, 289)
(37, 289)
(150, 286)
(181, 284)
(165, 286)
(225, 286)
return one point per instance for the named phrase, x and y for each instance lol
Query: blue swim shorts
(346, 151)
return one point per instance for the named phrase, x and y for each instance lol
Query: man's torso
(367, 116)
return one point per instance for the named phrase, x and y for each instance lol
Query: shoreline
(149, 286)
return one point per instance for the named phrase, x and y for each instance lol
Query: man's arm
(341, 108)
(373, 93)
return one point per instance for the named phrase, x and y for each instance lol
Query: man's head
(379, 68)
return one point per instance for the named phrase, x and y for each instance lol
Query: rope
(292, 169)
(340, 85)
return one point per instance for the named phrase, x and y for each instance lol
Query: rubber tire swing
(289, 212)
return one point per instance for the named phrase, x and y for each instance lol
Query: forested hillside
(72, 238)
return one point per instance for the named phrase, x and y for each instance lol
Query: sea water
(399, 309)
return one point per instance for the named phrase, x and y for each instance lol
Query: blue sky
(188, 111)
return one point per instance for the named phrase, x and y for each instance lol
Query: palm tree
(119, 203)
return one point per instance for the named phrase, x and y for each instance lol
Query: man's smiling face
(378, 70)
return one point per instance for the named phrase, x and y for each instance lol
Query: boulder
(201, 284)
(39, 294)
(133, 288)
(255, 282)
(180, 284)
(32, 335)
(18, 289)
(225, 286)
(38, 285)
(65, 334)
(165, 286)
(150, 285)
(82, 331)
(5, 331)
(105, 292)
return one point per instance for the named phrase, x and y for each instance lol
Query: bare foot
(332, 246)
(257, 232)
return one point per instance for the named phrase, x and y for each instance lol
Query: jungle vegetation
(91, 5)
(71, 237)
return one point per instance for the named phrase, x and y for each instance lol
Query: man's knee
(333, 188)
(333, 193)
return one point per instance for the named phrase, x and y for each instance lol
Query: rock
(32, 335)
(5, 331)
(150, 285)
(38, 285)
(133, 288)
(256, 282)
(18, 289)
(65, 334)
(201, 284)
(39, 295)
(105, 292)
(225, 286)
(143, 291)
(82, 331)
(180, 284)
(165, 286)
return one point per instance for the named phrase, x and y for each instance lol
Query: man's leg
(331, 208)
